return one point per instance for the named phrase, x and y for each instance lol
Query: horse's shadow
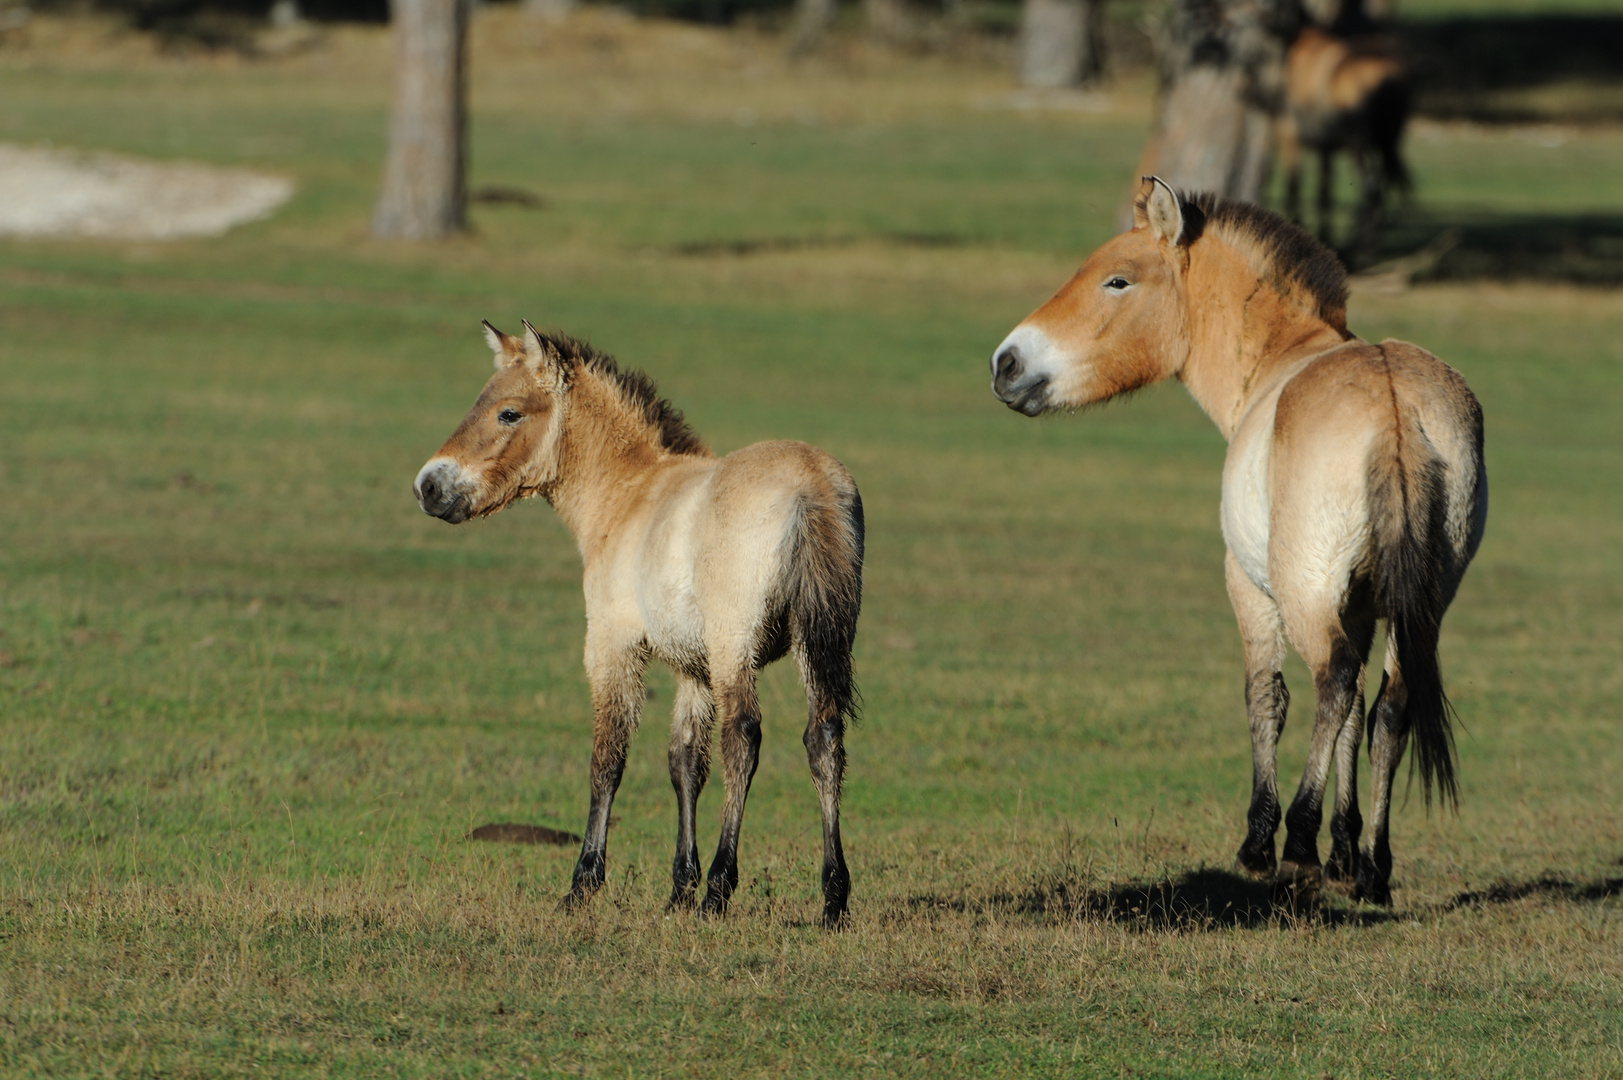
(1428, 244)
(1208, 899)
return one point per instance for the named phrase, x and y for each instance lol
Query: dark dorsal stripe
(1292, 254)
(636, 389)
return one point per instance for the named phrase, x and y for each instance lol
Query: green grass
(252, 699)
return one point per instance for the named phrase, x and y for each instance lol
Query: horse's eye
(509, 416)
(1117, 283)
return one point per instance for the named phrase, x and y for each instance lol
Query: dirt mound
(70, 193)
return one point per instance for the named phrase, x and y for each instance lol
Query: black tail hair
(1409, 503)
(825, 598)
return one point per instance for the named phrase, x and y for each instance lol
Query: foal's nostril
(428, 491)
(1006, 366)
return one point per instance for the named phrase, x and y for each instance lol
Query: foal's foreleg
(690, 767)
(740, 716)
(1389, 736)
(1266, 702)
(617, 697)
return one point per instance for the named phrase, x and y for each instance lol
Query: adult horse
(1345, 93)
(1353, 489)
(716, 566)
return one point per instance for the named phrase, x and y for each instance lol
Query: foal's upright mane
(1289, 258)
(635, 389)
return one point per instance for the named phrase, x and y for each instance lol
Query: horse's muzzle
(437, 495)
(1014, 386)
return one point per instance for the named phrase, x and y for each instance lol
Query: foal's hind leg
(690, 767)
(825, 753)
(1266, 701)
(740, 716)
(1389, 735)
(617, 696)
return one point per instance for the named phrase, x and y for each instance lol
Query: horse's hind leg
(1327, 179)
(690, 767)
(1266, 702)
(617, 696)
(1388, 737)
(1335, 652)
(740, 716)
(1345, 821)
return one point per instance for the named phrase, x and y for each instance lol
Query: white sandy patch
(71, 193)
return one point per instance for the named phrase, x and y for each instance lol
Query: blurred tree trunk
(1061, 42)
(423, 196)
(813, 18)
(1222, 74)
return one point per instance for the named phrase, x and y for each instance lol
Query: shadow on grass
(1441, 245)
(1209, 900)
(1200, 900)
(1457, 62)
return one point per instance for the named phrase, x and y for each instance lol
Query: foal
(1353, 489)
(715, 566)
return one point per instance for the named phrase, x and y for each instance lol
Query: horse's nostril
(428, 491)
(1007, 365)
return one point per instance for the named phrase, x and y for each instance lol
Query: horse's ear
(509, 350)
(1158, 207)
(543, 358)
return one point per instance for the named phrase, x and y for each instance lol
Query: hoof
(1340, 875)
(714, 906)
(574, 900)
(1372, 887)
(1254, 862)
(682, 899)
(1297, 886)
(836, 918)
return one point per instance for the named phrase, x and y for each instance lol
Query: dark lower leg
(1345, 821)
(740, 753)
(1388, 738)
(1266, 703)
(825, 753)
(615, 713)
(1327, 177)
(1337, 686)
(690, 768)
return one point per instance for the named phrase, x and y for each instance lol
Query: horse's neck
(1243, 335)
(604, 473)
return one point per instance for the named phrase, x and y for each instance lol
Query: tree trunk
(1061, 42)
(1223, 64)
(423, 196)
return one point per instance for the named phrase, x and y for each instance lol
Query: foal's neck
(1243, 334)
(608, 458)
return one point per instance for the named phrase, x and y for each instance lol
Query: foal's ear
(509, 350)
(543, 358)
(1158, 207)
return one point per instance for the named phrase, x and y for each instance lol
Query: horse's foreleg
(617, 697)
(1345, 821)
(1389, 736)
(1266, 702)
(1327, 179)
(740, 717)
(1290, 150)
(690, 768)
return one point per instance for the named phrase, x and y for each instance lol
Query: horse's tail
(825, 595)
(1409, 507)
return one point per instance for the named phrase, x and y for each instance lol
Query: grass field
(253, 699)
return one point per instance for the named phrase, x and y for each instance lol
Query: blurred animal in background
(1345, 93)
(716, 566)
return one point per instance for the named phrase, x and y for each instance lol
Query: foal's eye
(509, 416)
(1117, 284)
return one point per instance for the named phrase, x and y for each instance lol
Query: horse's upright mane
(1296, 263)
(635, 389)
